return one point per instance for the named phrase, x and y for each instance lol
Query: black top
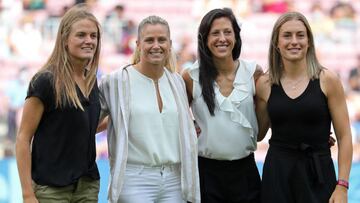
(305, 119)
(64, 143)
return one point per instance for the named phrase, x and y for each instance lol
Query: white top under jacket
(114, 98)
(153, 135)
(232, 133)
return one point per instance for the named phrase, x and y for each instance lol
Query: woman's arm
(258, 73)
(189, 87)
(32, 113)
(331, 85)
(104, 112)
(189, 84)
(261, 98)
(102, 125)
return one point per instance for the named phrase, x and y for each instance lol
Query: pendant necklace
(294, 85)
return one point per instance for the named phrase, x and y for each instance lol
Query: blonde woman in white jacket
(151, 136)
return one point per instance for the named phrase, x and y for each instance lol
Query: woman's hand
(339, 195)
(30, 199)
(197, 128)
(332, 141)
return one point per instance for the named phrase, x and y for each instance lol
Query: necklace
(296, 83)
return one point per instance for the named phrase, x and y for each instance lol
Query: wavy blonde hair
(275, 62)
(59, 62)
(170, 62)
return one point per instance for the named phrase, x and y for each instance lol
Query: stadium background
(28, 30)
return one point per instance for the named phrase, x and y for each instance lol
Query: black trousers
(297, 174)
(235, 181)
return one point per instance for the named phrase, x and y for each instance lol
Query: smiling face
(221, 38)
(293, 41)
(82, 41)
(154, 44)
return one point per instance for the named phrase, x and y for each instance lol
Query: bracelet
(343, 183)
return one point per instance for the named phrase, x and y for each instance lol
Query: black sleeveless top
(305, 119)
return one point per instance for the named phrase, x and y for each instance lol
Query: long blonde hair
(274, 59)
(170, 62)
(59, 63)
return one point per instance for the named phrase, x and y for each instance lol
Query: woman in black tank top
(299, 99)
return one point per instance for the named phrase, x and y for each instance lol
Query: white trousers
(144, 184)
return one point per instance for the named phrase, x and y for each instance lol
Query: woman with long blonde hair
(55, 146)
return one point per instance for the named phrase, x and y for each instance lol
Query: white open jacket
(114, 98)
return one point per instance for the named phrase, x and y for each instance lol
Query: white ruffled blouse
(232, 133)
